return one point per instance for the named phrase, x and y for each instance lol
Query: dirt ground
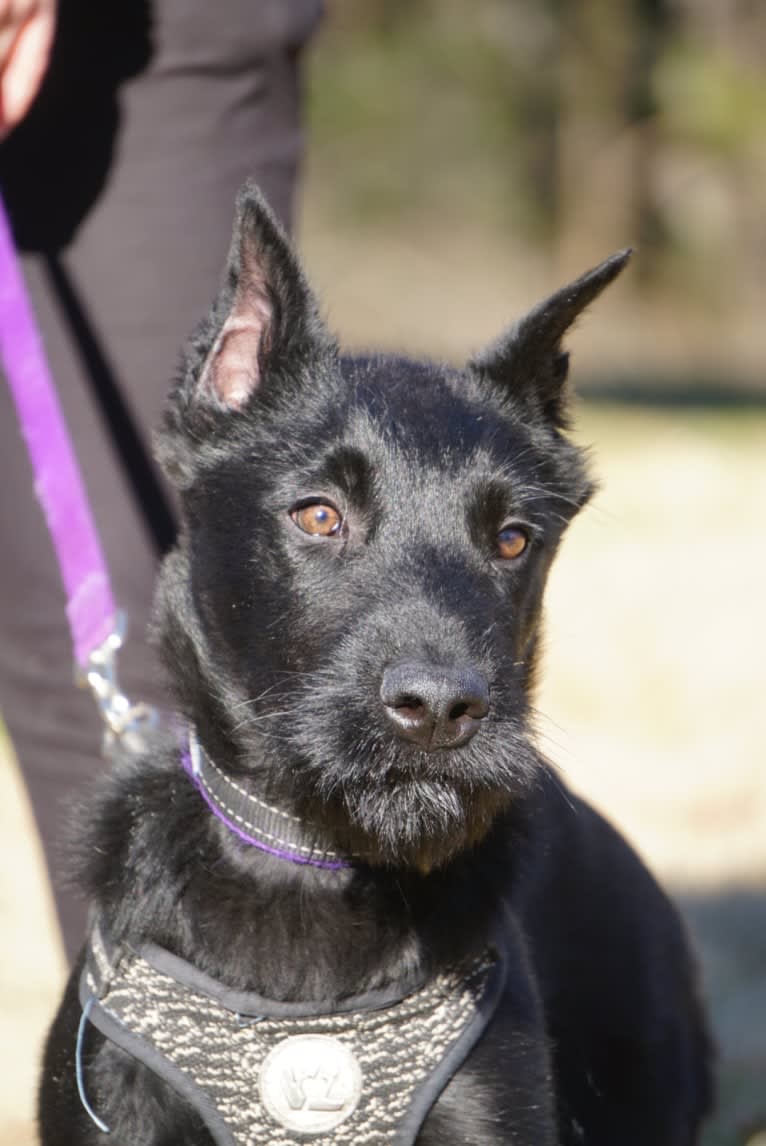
(653, 699)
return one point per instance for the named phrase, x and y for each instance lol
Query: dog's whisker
(253, 700)
(548, 494)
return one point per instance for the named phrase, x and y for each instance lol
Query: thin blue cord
(79, 1071)
(248, 1020)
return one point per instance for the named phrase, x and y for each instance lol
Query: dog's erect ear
(528, 360)
(265, 313)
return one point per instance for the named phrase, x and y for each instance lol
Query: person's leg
(217, 103)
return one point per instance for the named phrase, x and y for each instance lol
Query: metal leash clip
(126, 724)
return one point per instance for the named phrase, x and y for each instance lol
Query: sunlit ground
(653, 697)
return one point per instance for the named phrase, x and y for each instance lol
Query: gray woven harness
(259, 1071)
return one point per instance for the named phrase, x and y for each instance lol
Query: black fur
(276, 642)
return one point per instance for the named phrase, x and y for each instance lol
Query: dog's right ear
(263, 332)
(264, 321)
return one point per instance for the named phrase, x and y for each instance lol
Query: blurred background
(464, 160)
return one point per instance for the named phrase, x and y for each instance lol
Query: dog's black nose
(432, 705)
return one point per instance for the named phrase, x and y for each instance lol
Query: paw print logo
(310, 1083)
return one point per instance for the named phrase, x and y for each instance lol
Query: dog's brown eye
(319, 519)
(511, 542)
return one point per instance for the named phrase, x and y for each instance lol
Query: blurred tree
(610, 129)
(653, 24)
(563, 126)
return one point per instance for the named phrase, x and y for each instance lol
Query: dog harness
(259, 1071)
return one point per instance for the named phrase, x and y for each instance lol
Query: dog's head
(353, 612)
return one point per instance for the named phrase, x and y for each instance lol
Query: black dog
(357, 884)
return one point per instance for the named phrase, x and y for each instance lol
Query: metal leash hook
(126, 724)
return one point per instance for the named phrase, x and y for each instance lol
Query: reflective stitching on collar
(249, 795)
(256, 829)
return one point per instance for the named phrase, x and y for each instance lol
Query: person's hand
(26, 35)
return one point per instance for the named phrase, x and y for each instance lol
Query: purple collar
(252, 820)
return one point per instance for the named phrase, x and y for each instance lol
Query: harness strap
(368, 1070)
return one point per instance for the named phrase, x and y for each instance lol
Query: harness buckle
(126, 724)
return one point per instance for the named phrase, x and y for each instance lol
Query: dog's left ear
(528, 360)
(266, 316)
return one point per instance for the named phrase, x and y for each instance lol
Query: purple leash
(96, 625)
(58, 484)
